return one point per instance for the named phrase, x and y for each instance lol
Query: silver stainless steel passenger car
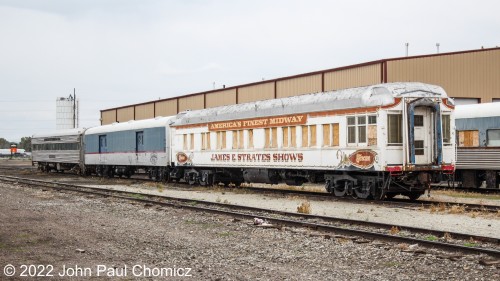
(478, 141)
(58, 151)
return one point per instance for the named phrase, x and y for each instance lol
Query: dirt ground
(84, 238)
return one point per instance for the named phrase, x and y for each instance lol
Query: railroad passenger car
(374, 141)
(59, 151)
(123, 148)
(478, 140)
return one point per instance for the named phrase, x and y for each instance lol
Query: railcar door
(103, 148)
(423, 135)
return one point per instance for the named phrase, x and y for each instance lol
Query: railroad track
(366, 230)
(394, 202)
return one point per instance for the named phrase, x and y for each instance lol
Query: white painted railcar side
(139, 143)
(319, 109)
(397, 127)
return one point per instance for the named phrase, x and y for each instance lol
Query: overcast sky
(120, 52)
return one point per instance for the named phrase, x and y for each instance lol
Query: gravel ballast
(63, 229)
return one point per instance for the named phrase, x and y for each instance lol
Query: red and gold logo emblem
(363, 158)
(182, 157)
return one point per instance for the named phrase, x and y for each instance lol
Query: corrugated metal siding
(256, 92)
(145, 111)
(353, 77)
(125, 114)
(461, 75)
(225, 97)
(108, 117)
(298, 86)
(478, 158)
(166, 108)
(192, 102)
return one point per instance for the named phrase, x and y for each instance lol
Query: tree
(25, 143)
(4, 143)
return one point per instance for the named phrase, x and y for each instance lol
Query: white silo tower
(66, 113)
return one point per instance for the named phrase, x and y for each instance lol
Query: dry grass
(304, 208)
(457, 209)
(403, 246)
(394, 230)
(447, 236)
(472, 195)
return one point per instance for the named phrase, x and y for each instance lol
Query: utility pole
(74, 107)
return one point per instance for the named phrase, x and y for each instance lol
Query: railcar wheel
(328, 186)
(414, 195)
(341, 189)
(363, 192)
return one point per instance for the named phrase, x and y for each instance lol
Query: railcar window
(493, 137)
(238, 139)
(56, 146)
(250, 138)
(203, 141)
(293, 136)
(312, 130)
(419, 147)
(419, 121)
(286, 142)
(394, 129)
(221, 139)
(271, 135)
(362, 129)
(305, 136)
(446, 129)
(327, 135)
(351, 129)
(185, 142)
(357, 129)
(468, 138)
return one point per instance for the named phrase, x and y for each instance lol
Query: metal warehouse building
(469, 77)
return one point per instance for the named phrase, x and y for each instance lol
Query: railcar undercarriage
(363, 185)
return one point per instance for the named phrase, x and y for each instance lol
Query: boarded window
(372, 134)
(235, 139)
(446, 129)
(185, 142)
(250, 138)
(305, 136)
(238, 139)
(468, 138)
(271, 136)
(221, 140)
(205, 141)
(286, 142)
(493, 137)
(327, 135)
(241, 139)
(335, 128)
(312, 131)
(394, 129)
(293, 136)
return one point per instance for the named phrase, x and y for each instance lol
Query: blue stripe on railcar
(125, 141)
(482, 124)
